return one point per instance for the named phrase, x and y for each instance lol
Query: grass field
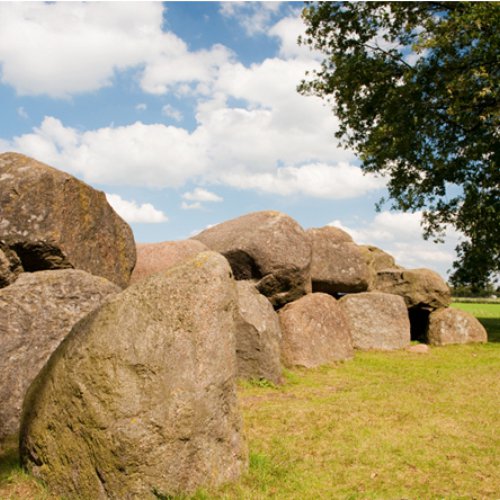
(383, 426)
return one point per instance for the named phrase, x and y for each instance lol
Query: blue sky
(186, 114)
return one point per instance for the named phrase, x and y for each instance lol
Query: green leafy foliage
(416, 88)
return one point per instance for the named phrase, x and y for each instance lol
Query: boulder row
(268, 247)
(52, 221)
(258, 335)
(139, 401)
(36, 313)
(378, 320)
(315, 331)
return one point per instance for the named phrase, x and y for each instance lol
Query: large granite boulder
(315, 331)
(36, 313)
(258, 335)
(452, 326)
(338, 265)
(268, 247)
(53, 221)
(378, 320)
(376, 260)
(153, 258)
(420, 288)
(139, 401)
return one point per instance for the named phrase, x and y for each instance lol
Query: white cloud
(287, 30)
(138, 154)
(191, 206)
(273, 140)
(22, 113)
(175, 67)
(400, 234)
(171, 112)
(141, 106)
(133, 212)
(65, 48)
(200, 194)
(254, 17)
(317, 180)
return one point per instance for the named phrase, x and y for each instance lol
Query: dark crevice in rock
(419, 321)
(282, 288)
(243, 265)
(40, 256)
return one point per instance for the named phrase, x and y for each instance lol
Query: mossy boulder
(268, 247)
(36, 313)
(54, 221)
(139, 401)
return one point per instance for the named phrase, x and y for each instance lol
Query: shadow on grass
(492, 326)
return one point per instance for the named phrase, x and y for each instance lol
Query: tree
(416, 88)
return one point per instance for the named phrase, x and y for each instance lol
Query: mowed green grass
(382, 426)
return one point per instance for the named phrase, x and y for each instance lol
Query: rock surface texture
(153, 258)
(268, 247)
(452, 326)
(139, 401)
(338, 265)
(421, 288)
(378, 320)
(36, 314)
(315, 331)
(376, 260)
(54, 221)
(10, 265)
(258, 336)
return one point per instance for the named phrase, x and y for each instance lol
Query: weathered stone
(421, 288)
(10, 265)
(153, 258)
(36, 313)
(378, 320)
(452, 326)
(52, 221)
(268, 247)
(258, 336)
(315, 331)
(376, 260)
(337, 265)
(139, 401)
